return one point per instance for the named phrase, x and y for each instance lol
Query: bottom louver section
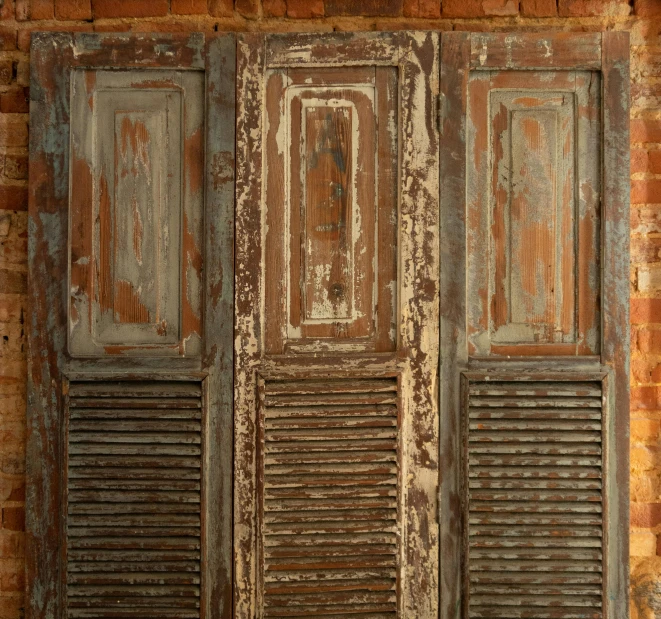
(535, 524)
(330, 498)
(133, 481)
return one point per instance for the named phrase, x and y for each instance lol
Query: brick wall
(641, 17)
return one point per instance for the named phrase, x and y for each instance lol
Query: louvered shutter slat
(133, 525)
(330, 497)
(535, 523)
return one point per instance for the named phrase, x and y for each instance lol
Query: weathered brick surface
(642, 18)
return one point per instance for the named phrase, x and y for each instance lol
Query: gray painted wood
(593, 352)
(146, 404)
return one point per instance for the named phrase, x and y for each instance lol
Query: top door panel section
(533, 143)
(136, 212)
(331, 156)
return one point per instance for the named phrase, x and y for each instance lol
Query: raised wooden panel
(535, 536)
(330, 503)
(331, 209)
(133, 499)
(136, 213)
(534, 182)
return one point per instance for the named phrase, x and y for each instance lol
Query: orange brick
(247, 8)
(130, 8)
(591, 8)
(35, 9)
(13, 198)
(639, 160)
(429, 9)
(15, 101)
(645, 130)
(363, 8)
(654, 161)
(13, 518)
(645, 430)
(645, 311)
(645, 515)
(646, 398)
(221, 8)
(305, 9)
(274, 8)
(646, 191)
(649, 341)
(73, 9)
(539, 8)
(189, 7)
(647, 8)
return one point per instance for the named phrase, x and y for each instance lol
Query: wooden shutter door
(336, 435)
(129, 446)
(534, 326)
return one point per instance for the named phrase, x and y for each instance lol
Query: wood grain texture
(615, 323)
(534, 183)
(455, 63)
(509, 424)
(154, 125)
(219, 320)
(535, 469)
(331, 251)
(328, 136)
(135, 258)
(133, 498)
(329, 505)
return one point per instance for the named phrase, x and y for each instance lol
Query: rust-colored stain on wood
(374, 363)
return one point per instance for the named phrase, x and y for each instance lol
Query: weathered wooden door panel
(336, 326)
(534, 300)
(137, 143)
(129, 446)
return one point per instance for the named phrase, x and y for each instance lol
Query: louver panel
(330, 498)
(133, 517)
(535, 501)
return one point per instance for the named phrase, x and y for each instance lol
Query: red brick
(6, 72)
(17, 493)
(16, 167)
(8, 10)
(648, 341)
(643, 130)
(13, 282)
(639, 160)
(646, 191)
(13, 132)
(647, 8)
(479, 8)
(274, 8)
(645, 515)
(539, 8)
(15, 101)
(247, 8)
(644, 311)
(7, 39)
(654, 161)
(591, 8)
(221, 8)
(130, 8)
(73, 9)
(305, 9)
(13, 197)
(364, 8)
(13, 518)
(189, 7)
(646, 398)
(429, 9)
(35, 9)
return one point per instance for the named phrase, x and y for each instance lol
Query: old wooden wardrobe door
(534, 311)
(130, 335)
(336, 358)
